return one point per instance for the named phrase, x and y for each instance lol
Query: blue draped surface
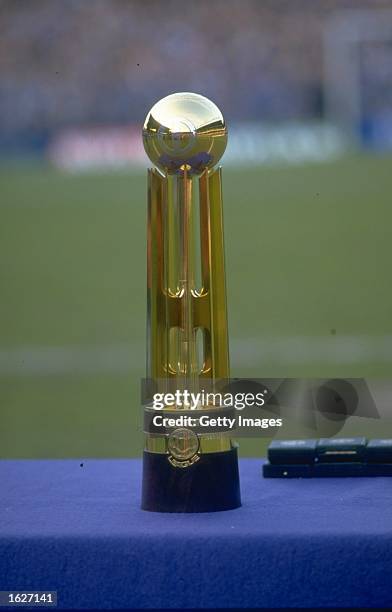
(294, 543)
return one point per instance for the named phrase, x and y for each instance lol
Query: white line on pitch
(123, 358)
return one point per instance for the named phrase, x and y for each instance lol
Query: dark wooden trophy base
(210, 484)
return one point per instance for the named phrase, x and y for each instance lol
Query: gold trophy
(186, 469)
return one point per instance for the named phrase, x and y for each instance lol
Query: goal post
(357, 79)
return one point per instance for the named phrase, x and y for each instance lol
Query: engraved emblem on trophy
(184, 468)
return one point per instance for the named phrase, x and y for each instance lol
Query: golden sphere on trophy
(184, 131)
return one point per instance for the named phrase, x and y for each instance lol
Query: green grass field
(308, 254)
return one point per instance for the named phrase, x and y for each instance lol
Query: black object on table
(328, 457)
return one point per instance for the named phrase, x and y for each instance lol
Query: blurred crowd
(78, 62)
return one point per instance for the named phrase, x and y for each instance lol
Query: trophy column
(185, 469)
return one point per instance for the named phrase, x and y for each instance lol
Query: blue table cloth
(294, 543)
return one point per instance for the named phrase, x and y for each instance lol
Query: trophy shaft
(177, 307)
